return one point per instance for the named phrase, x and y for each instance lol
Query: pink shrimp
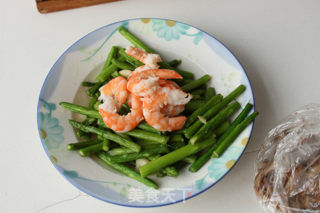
(122, 123)
(154, 107)
(172, 110)
(152, 113)
(160, 73)
(147, 58)
(117, 89)
(145, 67)
(169, 109)
(114, 94)
(146, 82)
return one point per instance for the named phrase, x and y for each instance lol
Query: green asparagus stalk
(193, 105)
(80, 109)
(89, 150)
(96, 105)
(147, 127)
(106, 73)
(173, 145)
(93, 90)
(122, 65)
(198, 92)
(176, 138)
(105, 145)
(209, 93)
(141, 134)
(170, 171)
(120, 151)
(130, 59)
(143, 154)
(174, 63)
(196, 97)
(80, 145)
(183, 73)
(127, 171)
(182, 82)
(107, 70)
(227, 141)
(134, 40)
(89, 121)
(146, 142)
(92, 102)
(115, 74)
(173, 157)
(107, 134)
(190, 159)
(87, 84)
(191, 130)
(206, 156)
(215, 121)
(202, 109)
(222, 128)
(196, 83)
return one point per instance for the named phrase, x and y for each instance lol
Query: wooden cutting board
(47, 6)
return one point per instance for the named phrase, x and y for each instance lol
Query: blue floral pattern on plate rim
(200, 32)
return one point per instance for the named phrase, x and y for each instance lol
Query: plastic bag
(287, 169)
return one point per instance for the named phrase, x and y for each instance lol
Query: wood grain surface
(47, 6)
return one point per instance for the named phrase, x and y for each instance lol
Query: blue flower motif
(197, 37)
(219, 166)
(168, 29)
(125, 24)
(50, 130)
(201, 183)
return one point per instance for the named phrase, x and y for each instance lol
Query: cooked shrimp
(117, 89)
(172, 110)
(160, 73)
(121, 123)
(152, 113)
(154, 107)
(145, 67)
(143, 87)
(146, 58)
(146, 82)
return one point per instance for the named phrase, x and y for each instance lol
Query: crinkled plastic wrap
(288, 164)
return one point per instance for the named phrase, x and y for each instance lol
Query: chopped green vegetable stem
(130, 59)
(215, 121)
(147, 127)
(210, 92)
(93, 90)
(175, 156)
(142, 134)
(80, 145)
(80, 109)
(196, 83)
(228, 140)
(203, 109)
(191, 130)
(143, 154)
(127, 171)
(89, 150)
(174, 63)
(122, 65)
(107, 134)
(87, 84)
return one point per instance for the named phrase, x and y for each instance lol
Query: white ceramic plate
(201, 53)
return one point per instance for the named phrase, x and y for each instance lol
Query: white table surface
(278, 43)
